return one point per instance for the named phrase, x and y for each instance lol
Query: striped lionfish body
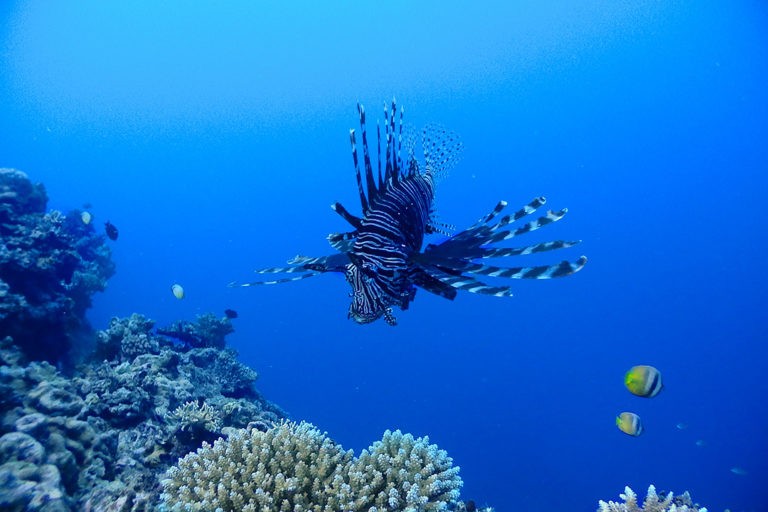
(383, 257)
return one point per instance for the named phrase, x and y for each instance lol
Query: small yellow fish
(178, 291)
(629, 423)
(643, 380)
(86, 217)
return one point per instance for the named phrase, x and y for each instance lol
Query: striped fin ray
(275, 281)
(370, 182)
(562, 269)
(522, 212)
(342, 242)
(389, 128)
(468, 283)
(306, 266)
(352, 219)
(481, 225)
(501, 252)
(550, 217)
(361, 192)
(295, 264)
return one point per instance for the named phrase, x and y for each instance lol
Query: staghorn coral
(652, 503)
(193, 417)
(290, 468)
(403, 473)
(295, 467)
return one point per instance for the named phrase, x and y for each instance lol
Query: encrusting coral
(295, 467)
(652, 503)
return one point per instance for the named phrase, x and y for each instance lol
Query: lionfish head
(367, 305)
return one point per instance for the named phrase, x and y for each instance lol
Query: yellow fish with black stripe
(643, 380)
(629, 423)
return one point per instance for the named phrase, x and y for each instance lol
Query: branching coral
(292, 467)
(403, 473)
(652, 503)
(295, 467)
(192, 417)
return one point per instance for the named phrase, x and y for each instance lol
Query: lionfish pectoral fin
(305, 266)
(502, 252)
(468, 283)
(425, 281)
(562, 269)
(275, 281)
(342, 242)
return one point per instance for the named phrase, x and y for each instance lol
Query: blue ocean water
(215, 136)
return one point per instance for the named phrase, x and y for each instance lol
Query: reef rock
(50, 266)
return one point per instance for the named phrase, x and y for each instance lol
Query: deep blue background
(214, 135)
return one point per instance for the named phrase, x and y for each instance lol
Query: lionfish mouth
(363, 318)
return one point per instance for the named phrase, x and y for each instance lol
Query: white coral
(197, 418)
(652, 503)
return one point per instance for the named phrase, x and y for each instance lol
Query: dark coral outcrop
(101, 436)
(50, 266)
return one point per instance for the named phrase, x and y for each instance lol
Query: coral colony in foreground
(166, 418)
(653, 503)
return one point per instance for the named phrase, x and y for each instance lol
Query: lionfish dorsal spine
(370, 182)
(352, 219)
(388, 171)
(361, 192)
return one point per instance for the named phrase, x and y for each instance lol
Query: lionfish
(382, 257)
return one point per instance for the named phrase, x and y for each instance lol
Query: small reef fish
(700, 443)
(739, 471)
(86, 217)
(230, 313)
(629, 423)
(681, 426)
(111, 230)
(178, 291)
(643, 380)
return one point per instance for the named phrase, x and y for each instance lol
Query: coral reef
(207, 331)
(295, 467)
(99, 439)
(50, 266)
(195, 418)
(662, 502)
